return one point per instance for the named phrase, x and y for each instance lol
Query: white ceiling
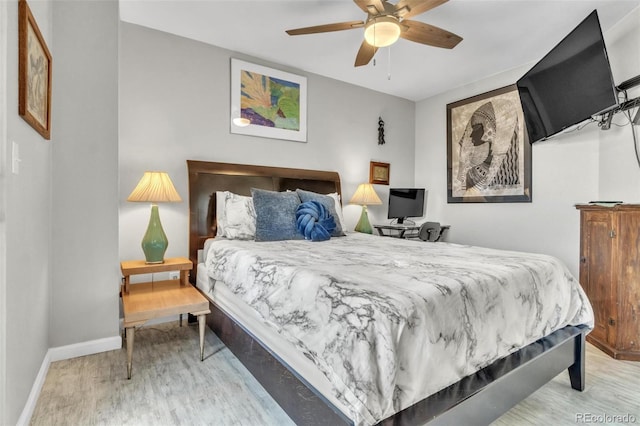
(497, 35)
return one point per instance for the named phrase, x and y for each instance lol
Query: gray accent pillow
(275, 215)
(327, 201)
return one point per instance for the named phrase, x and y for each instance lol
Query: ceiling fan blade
(326, 28)
(372, 7)
(428, 34)
(365, 54)
(405, 9)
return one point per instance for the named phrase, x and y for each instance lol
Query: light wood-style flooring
(170, 386)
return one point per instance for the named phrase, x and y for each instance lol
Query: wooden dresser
(610, 275)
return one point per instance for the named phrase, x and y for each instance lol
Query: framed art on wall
(488, 152)
(379, 173)
(270, 102)
(34, 70)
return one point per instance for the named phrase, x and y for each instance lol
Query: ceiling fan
(386, 22)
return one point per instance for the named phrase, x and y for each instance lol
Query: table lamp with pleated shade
(365, 196)
(155, 187)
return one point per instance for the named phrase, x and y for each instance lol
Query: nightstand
(145, 301)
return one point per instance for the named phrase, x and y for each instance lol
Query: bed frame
(477, 399)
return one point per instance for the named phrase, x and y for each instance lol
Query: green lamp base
(363, 224)
(154, 243)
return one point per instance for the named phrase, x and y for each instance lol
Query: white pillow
(236, 216)
(220, 201)
(336, 199)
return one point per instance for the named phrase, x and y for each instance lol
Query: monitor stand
(403, 221)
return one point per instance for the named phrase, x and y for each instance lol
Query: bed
(292, 374)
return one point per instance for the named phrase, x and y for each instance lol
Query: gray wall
(61, 209)
(3, 227)
(28, 237)
(174, 106)
(85, 272)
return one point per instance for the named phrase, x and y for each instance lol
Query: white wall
(619, 169)
(174, 106)
(28, 225)
(571, 168)
(85, 272)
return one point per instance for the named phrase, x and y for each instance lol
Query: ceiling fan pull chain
(374, 33)
(389, 65)
(374, 43)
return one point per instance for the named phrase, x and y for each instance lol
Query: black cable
(627, 113)
(635, 138)
(633, 128)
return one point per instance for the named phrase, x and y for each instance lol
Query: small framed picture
(34, 69)
(379, 173)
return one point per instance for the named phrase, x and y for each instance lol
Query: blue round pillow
(314, 221)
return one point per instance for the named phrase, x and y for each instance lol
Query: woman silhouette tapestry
(487, 144)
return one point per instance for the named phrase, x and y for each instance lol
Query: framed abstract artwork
(488, 151)
(267, 102)
(379, 173)
(34, 70)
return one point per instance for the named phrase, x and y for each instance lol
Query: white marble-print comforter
(391, 321)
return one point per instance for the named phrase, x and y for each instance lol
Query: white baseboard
(85, 348)
(27, 412)
(58, 354)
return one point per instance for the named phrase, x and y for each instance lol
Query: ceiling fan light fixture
(382, 31)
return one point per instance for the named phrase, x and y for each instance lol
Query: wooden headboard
(205, 178)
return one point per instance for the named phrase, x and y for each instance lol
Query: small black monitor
(405, 202)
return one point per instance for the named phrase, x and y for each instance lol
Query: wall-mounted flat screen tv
(405, 202)
(570, 84)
